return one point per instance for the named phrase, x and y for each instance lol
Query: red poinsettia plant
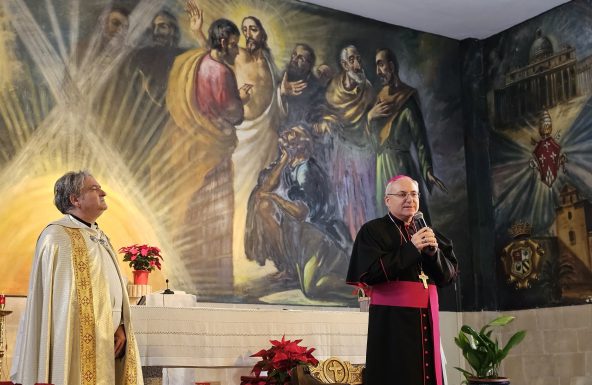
(280, 359)
(142, 257)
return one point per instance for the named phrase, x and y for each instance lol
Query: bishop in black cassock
(402, 265)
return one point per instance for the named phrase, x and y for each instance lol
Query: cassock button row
(425, 339)
(425, 328)
(427, 377)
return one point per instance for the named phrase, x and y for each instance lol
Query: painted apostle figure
(205, 105)
(343, 126)
(291, 222)
(397, 124)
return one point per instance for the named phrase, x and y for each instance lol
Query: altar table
(207, 337)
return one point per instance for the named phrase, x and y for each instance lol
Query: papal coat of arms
(521, 258)
(547, 158)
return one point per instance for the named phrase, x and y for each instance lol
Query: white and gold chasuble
(68, 326)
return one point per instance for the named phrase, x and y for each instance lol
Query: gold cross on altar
(424, 279)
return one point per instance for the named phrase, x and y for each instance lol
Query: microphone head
(419, 221)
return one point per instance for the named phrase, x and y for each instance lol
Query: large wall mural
(247, 139)
(540, 83)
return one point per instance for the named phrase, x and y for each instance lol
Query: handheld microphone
(420, 223)
(418, 220)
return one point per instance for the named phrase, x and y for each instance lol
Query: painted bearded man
(396, 125)
(291, 222)
(344, 125)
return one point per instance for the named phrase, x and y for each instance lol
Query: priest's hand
(425, 241)
(119, 338)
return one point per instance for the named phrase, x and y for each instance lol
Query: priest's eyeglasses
(404, 194)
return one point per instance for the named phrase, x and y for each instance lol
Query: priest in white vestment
(77, 326)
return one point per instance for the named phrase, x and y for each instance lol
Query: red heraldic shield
(547, 155)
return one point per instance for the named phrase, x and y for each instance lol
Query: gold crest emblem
(521, 258)
(333, 370)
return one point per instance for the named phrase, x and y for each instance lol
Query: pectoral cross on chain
(424, 279)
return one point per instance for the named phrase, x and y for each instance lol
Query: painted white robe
(257, 148)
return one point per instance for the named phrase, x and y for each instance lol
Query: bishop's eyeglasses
(405, 194)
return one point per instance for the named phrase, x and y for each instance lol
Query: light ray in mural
(73, 19)
(10, 66)
(57, 31)
(520, 193)
(87, 149)
(69, 121)
(576, 145)
(38, 46)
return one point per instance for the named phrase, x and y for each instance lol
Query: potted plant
(143, 259)
(484, 353)
(278, 361)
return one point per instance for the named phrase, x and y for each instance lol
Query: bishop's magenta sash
(413, 294)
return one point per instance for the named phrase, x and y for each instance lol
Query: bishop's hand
(425, 241)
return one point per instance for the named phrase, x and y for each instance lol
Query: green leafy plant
(483, 353)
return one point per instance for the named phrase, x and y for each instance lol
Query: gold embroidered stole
(130, 374)
(88, 353)
(88, 358)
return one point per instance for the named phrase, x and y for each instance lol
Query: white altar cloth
(226, 337)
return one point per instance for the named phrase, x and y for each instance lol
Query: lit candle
(2, 301)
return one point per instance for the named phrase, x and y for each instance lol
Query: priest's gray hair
(69, 184)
